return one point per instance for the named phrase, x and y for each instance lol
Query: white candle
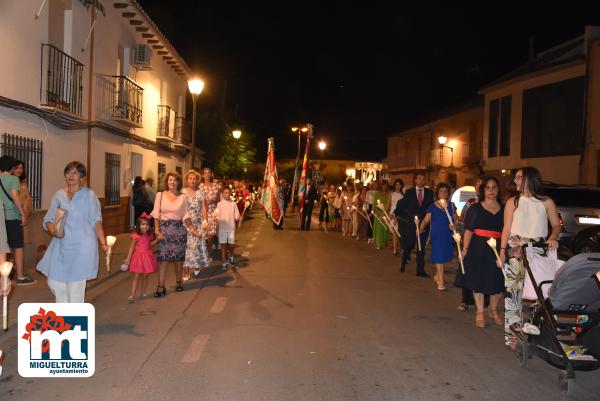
(418, 233)
(444, 204)
(456, 237)
(5, 269)
(492, 243)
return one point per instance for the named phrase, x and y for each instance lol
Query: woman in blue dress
(72, 258)
(442, 243)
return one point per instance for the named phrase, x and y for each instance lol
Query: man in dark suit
(415, 203)
(311, 195)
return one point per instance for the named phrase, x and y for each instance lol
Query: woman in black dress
(484, 221)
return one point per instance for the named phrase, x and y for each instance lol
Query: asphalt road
(309, 316)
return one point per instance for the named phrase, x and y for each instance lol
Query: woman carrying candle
(361, 215)
(441, 214)
(397, 194)
(346, 210)
(482, 275)
(381, 233)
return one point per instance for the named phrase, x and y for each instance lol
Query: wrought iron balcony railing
(128, 101)
(165, 129)
(183, 132)
(61, 81)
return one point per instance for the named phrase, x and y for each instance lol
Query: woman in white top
(355, 210)
(526, 217)
(170, 208)
(373, 187)
(397, 194)
(346, 210)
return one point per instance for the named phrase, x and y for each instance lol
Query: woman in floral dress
(526, 218)
(211, 190)
(196, 256)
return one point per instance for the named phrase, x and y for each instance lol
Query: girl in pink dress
(141, 259)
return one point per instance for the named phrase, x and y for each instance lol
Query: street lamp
(322, 147)
(236, 135)
(195, 85)
(298, 131)
(442, 139)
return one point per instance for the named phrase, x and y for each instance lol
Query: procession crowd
(194, 213)
(500, 218)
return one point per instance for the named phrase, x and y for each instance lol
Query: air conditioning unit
(141, 57)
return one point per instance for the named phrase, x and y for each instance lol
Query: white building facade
(95, 82)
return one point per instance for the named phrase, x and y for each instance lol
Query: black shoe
(425, 275)
(25, 281)
(402, 267)
(179, 286)
(159, 293)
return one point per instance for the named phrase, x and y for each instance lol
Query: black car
(578, 207)
(587, 240)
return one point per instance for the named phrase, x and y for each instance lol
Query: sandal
(480, 319)
(463, 307)
(496, 317)
(517, 336)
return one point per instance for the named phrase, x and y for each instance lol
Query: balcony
(183, 133)
(61, 81)
(166, 124)
(128, 96)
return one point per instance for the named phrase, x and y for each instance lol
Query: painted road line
(246, 254)
(196, 348)
(219, 305)
(250, 246)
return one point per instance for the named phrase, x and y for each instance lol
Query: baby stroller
(568, 320)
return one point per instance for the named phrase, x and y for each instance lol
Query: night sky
(357, 74)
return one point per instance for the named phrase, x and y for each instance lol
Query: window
(29, 151)
(505, 109)
(553, 119)
(112, 180)
(162, 171)
(500, 112)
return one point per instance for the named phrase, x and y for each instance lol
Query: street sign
(317, 176)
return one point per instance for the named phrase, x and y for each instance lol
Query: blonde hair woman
(196, 256)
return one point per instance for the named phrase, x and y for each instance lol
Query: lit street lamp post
(322, 147)
(236, 135)
(298, 131)
(442, 141)
(195, 86)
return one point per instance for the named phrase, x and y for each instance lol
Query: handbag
(59, 222)
(543, 263)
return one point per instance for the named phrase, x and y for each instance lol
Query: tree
(236, 155)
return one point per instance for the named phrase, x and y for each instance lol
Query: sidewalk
(39, 291)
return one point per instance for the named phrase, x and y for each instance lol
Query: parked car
(579, 209)
(587, 240)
